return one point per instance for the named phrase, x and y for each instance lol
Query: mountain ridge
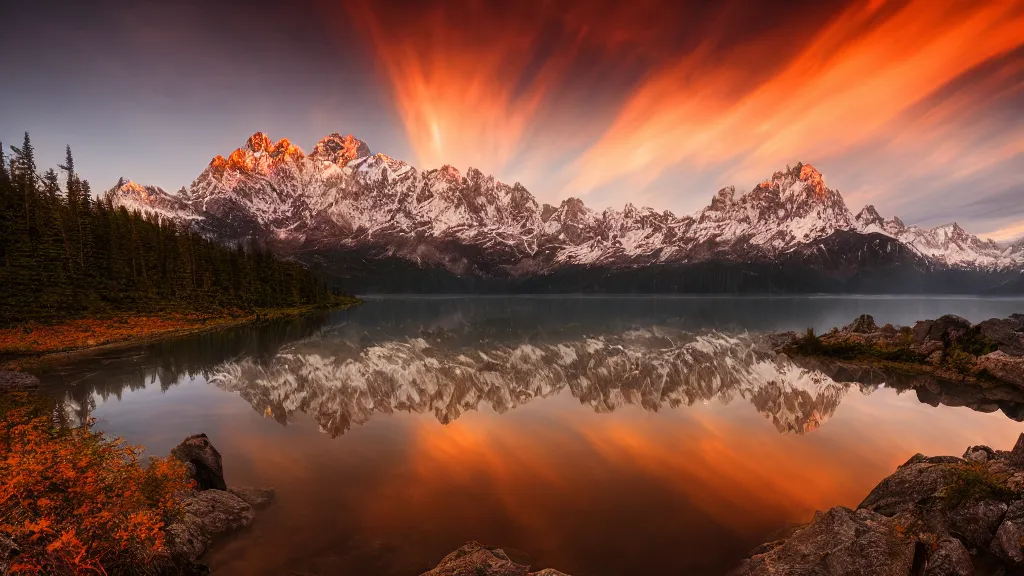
(342, 197)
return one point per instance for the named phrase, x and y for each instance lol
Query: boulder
(203, 462)
(916, 484)
(864, 324)
(206, 515)
(1008, 544)
(1016, 455)
(934, 329)
(978, 454)
(838, 542)
(950, 324)
(1003, 332)
(975, 523)
(17, 381)
(255, 497)
(928, 347)
(921, 330)
(1003, 366)
(949, 558)
(475, 559)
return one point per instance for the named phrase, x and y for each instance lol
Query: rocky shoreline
(949, 347)
(934, 516)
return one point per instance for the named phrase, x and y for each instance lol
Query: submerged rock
(475, 559)
(17, 381)
(255, 497)
(207, 515)
(203, 462)
(838, 542)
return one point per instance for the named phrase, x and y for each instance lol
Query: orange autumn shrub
(75, 502)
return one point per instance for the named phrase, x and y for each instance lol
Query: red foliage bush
(75, 502)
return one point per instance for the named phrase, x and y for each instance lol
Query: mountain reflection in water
(602, 436)
(339, 383)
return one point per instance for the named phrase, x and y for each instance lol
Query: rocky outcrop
(475, 559)
(211, 510)
(1001, 365)
(949, 347)
(203, 462)
(17, 381)
(206, 515)
(934, 516)
(837, 542)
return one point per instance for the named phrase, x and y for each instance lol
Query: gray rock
(255, 497)
(978, 453)
(1003, 332)
(1016, 456)
(206, 515)
(864, 324)
(1008, 544)
(975, 523)
(203, 462)
(1007, 368)
(475, 559)
(917, 484)
(839, 542)
(928, 347)
(949, 324)
(17, 381)
(921, 330)
(949, 558)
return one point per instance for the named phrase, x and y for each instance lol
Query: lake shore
(949, 347)
(31, 345)
(933, 516)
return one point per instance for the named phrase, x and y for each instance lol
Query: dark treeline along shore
(66, 253)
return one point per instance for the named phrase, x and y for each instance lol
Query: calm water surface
(599, 435)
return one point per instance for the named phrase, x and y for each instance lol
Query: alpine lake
(596, 435)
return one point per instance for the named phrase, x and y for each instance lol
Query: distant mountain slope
(353, 211)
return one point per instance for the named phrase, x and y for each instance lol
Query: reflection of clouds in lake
(340, 384)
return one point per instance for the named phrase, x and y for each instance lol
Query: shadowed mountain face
(375, 223)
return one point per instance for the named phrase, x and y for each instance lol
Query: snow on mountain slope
(342, 196)
(949, 244)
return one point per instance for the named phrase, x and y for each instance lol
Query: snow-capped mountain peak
(339, 149)
(342, 197)
(949, 243)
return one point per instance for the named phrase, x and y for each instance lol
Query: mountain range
(377, 224)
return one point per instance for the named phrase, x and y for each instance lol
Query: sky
(914, 106)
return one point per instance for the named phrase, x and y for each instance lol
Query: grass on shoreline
(32, 340)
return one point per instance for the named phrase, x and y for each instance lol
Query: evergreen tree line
(65, 253)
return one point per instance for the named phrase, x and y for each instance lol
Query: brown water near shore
(608, 437)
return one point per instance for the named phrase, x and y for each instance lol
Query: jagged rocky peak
(450, 173)
(258, 142)
(723, 199)
(869, 216)
(572, 209)
(340, 149)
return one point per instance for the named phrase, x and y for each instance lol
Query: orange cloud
(467, 81)
(867, 66)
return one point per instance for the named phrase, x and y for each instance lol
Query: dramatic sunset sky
(916, 106)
